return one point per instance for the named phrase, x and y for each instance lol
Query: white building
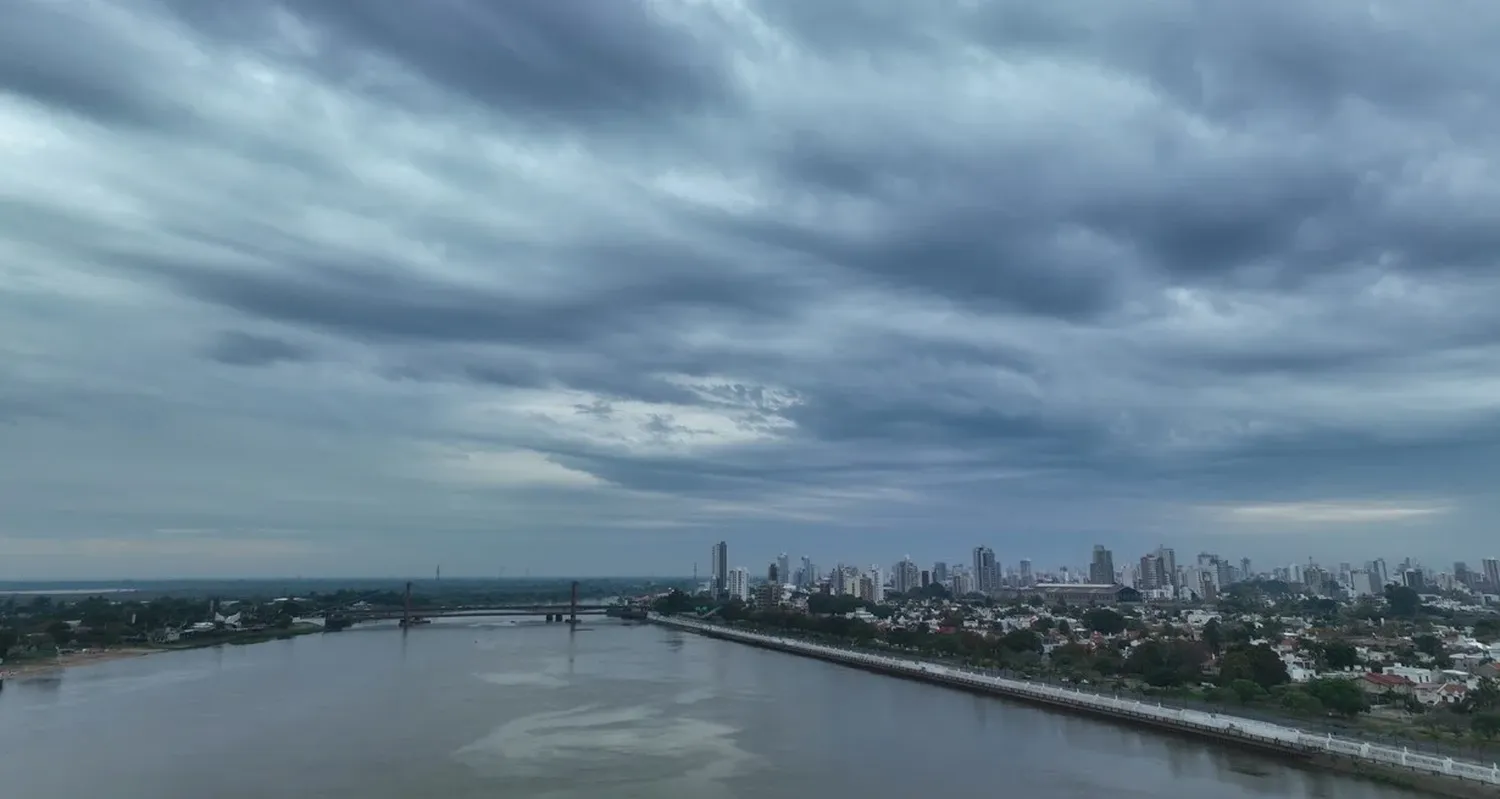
(739, 584)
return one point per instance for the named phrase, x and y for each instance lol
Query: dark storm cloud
(594, 64)
(1006, 263)
(377, 303)
(96, 75)
(1283, 191)
(238, 348)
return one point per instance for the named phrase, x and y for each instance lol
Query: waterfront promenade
(1450, 775)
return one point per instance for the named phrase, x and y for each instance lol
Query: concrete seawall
(1444, 775)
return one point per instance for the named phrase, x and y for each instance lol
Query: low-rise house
(1447, 693)
(1416, 675)
(1375, 683)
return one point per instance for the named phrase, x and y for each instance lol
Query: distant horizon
(8, 584)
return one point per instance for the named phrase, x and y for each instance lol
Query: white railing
(1250, 729)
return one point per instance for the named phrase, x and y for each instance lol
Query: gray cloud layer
(582, 287)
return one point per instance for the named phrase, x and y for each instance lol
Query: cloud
(1320, 513)
(514, 285)
(237, 348)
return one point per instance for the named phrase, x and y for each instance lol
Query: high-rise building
(1168, 557)
(986, 571)
(1152, 576)
(784, 568)
(1028, 579)
(1102, 567)
(737, 584)
(720, 560)
(770, 593)
(963, 583)
(926, 578)
(940, 572)
(1462, 575)
(1492, 573)
(906, 576)
(877, 584)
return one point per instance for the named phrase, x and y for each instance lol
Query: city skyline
(345, 288)
(1081, 565)
(1159, 575)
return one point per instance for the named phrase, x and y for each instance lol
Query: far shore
(32, 668)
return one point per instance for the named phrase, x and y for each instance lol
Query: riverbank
(1445, 776)
(32, 668)
(243, 638)
(40, 666)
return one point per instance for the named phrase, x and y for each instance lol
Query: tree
(1341, 696)
(830, 604)
(8, 639)
(1021, 641)
(1071, 657)
(1257, 664)
(1428, 644)
(1104, 621)
(1487, 630)
(1402, 601)
(61, 633)
(1486, 725)
(1246, 690)
(1213, 636)
(674, 602)
(1167, 663)
(1340, 655)
(1432, 646)
(1484, 697)
(1300, 701)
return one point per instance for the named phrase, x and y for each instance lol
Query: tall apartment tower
(737, 584)
(1153, 575)
(1492, 573)
(1168, 557)
(986, 571)
(1102, 567)
(720, 561)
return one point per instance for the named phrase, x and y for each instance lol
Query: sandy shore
(35, 667)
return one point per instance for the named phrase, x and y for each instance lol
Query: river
(500, 708)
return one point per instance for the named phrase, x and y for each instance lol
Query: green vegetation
(1219, 664)
(41, 626)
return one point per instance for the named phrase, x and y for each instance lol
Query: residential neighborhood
(1418, 666)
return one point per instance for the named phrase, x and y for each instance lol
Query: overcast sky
(581, 287)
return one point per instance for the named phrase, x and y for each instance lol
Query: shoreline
(35, 668)
(1415, 772)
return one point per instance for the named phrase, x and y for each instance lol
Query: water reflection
(532, 710)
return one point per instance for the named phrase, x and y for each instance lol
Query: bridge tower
(573, 606)
(406, 607)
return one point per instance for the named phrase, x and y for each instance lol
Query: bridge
(388, 614)
(408, 615)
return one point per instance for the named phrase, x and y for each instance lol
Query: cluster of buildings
(1157, 575)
